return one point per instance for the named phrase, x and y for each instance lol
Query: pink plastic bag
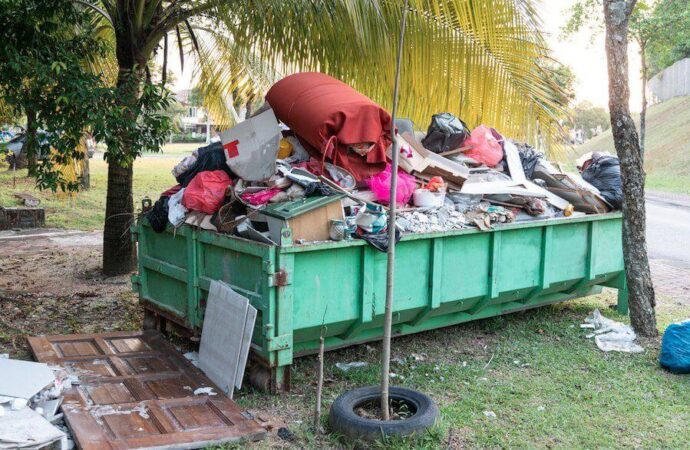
(206, 191)
(486, 147)
(380, 184)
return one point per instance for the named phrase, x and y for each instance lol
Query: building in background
(194, 120)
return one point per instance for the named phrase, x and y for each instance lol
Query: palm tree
(475, 58)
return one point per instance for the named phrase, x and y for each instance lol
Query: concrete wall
(674, 81)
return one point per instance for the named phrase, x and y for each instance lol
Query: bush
(184, 138)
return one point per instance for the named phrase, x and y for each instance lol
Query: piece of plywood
(137, 391)
(222, 334)
(315, 225)
(23, 379)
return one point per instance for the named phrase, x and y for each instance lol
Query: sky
(582, 52)
(586, 57)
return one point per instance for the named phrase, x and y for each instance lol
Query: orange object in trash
(285, 149)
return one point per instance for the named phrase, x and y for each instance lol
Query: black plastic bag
(158, 215)
(211, 157)
(529, 158)
(604, 173)
(446, 132)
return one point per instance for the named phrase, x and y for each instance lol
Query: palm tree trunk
(118, 249)
(640, 288)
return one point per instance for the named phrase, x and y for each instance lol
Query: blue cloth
(675, 348)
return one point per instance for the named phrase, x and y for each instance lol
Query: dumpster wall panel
(465, 266)
(239, 270)
(569, 252)
(169, 293)
(168, 247)
(608, 236)
(412, 271)
(519, 259)
(327, 282)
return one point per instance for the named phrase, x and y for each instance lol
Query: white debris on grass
(490, 414)
(612, 336)
(351, 365)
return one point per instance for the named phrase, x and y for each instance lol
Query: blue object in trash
(675, 348)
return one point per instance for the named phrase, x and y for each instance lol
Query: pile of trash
(30, 397)
(313, 165)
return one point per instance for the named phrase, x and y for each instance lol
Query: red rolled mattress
(329, 115)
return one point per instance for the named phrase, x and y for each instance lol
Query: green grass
(86, 211)
(667, 153)
(547, 384)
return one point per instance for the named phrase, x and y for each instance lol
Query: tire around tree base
(344, 421)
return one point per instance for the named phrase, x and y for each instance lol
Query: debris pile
(313, 165)
(30, 397)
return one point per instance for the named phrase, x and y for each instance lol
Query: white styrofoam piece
(221, 335)
(246, 341)
(26, 428)
(23, 379)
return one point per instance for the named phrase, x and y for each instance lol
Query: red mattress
(328, 115)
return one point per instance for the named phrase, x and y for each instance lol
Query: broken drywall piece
(23, 379)
(246, 341)
(27, 429)
(225, 336)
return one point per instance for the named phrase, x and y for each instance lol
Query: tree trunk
(643, 112)
(118, 249)
(640, 289)
(31, 145)
(85, 181)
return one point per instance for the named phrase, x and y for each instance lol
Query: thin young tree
(641, 291)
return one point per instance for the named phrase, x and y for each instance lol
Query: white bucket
(425, 198)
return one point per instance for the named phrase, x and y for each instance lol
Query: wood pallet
(136, 391)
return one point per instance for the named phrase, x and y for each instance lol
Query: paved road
(668, 228)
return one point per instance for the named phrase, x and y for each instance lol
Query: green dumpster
(442, 279)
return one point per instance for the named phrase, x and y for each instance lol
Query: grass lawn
(86, 211)
(548, 385)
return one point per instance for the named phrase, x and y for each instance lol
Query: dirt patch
(52, 285)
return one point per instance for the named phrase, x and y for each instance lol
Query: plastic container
(425, 198)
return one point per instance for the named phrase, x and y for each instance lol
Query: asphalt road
(668, 228)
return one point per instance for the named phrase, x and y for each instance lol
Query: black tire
(344, 421)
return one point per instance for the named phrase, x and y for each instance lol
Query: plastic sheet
(206, 192)
(446, 132)
(486, 147)
(611, 336)
(604, 173)
(675, 348)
